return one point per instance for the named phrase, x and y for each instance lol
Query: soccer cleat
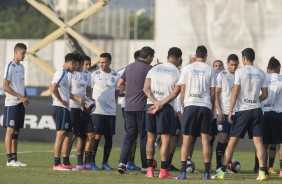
(181, 176)
(150, 172)
(132, 166)
(12, 164)
(143, 170)
(172, 168)
(218, 170)
(266, 176)
(121, 168)
(69, 166)
(92, 166)
(271, 170)
(80, 167)
(21, 164)
(105, 166)
(261, 176)
(207, 176)
(164, 174)
(59, 168)
(219, 176)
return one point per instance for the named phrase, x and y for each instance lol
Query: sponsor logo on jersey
(250, 101)
(198, 72)
(158, 92)
(253, 76)
(195, 95)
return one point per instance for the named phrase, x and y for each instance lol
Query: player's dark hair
(70, 57)
(20, 46)
(137, 54)
(217, 61)
(146, 51)
(201, 51)
(106, 55)
(273, 64)
(86, 58)
(249, 53)
(175, 52)
(232, 57)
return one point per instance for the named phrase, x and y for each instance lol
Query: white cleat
(12, 164)
(21, 164)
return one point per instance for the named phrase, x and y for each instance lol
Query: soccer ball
(190, 166)
(89, 106)
(155, 164)
(234, 166)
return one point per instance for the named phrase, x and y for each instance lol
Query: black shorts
(224, 127)
(249, 120)
(161, 122)
(176, 127)
(14, 116)
(104, 124)
(196, 120)
(213, 127)
(81, 122)
(61, 116)
(272, 128)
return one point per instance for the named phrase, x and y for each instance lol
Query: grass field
(39, 157)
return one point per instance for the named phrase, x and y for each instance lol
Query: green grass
(39, 157)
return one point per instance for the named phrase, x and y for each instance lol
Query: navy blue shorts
(14, 116)
(196, 120)
(176, 126)
(161, 122)
(81, 122)
(213, 127)
(249, 120)
(61, 116)
(224, 127)
(104, 124)
(272, 128)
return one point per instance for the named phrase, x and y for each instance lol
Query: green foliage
(19, 20)
(145, 27)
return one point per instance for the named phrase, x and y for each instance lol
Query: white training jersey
(14, 73)
(225, 81)
(120, 72)
(198, 77)
(251, 79)
(163, 80)
(61, 78)
(79, 81)
(104, 86)
(274, 99)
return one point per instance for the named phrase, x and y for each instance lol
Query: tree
(145, 27)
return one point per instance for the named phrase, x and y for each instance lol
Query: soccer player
(82, 126)
(224, 85)
(159, 83)
(131, 160)
(60, 88)
(15, 102)
(248, 83)
(272, 110)
(197, 82)
(132, 81)
(105, 93)
(217, 66)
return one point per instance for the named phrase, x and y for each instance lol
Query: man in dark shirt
(132, 81)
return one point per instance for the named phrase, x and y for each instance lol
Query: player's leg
(271, 158)
(98, 121)
(80, 145)
(109, 131)
(280, 160)
(150, 152)
(164, 152)
(260, 154)
(141, 123)
(220, 149)
(88, 130)
(206, 153)
(66, 148)
(8, 145)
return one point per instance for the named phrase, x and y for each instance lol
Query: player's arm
(234, 95)
(147, 90)
(8, 89)
(116, 95)
(175, 92)
(54, 88)
(182, 94)
(89, 91)
(264, 94)
(77, 98)
(217, 105)
(121, 84)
